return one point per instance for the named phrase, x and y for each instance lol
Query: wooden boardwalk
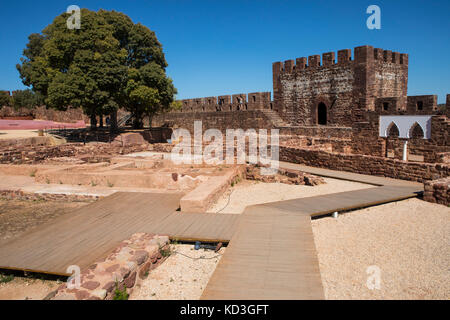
(91, 232)
(345, 201)
(271, 254)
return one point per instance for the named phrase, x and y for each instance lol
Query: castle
(335, 105)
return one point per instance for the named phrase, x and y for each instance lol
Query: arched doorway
(322, 114)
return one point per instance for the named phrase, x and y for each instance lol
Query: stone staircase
(275, 118)
(122, 121)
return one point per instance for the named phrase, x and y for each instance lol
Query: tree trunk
(137, 123)
(101, 120)
(93, 122)
(113, 121)
(150, 117)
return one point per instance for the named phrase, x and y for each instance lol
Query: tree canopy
(21, 99)
(26, 99)
(5, 99)
(110, 62)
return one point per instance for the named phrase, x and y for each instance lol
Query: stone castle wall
(235, 102)
(244, 119)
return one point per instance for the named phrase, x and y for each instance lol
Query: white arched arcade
(405, 126)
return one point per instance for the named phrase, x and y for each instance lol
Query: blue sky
(224, 47)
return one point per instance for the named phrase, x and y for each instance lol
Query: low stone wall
(378, 166)
(317, 143)
(106, 175)
(43, 113)
(26, 142)
(319, 131)
(202, 197)
(161, 147)
(285, 176)
(125, 267)
(32, 154)
(437, 191)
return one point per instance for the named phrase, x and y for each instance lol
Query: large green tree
(108, 63)
(147, 90)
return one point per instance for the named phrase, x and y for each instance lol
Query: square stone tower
(309, 91)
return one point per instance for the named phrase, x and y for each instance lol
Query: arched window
(392, 130)
(416, 132)
(322, 114)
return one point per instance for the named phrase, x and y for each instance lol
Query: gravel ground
(248, 193)
(179, 277)
(409, 241)
(22, 288)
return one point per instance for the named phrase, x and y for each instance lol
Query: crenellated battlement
(234, 102)
(361, 54)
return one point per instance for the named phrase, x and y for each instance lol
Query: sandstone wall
(235, 102)
(437, 191)
(42, 113)
(32, 154)
(363, 164)
(244, 119)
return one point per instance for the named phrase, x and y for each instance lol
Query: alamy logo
(374, 278)
(374, 20)
(236, 139)
(74, 21)
(74, 281)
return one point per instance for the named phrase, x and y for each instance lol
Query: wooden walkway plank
(319, 205)
(271, 256)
